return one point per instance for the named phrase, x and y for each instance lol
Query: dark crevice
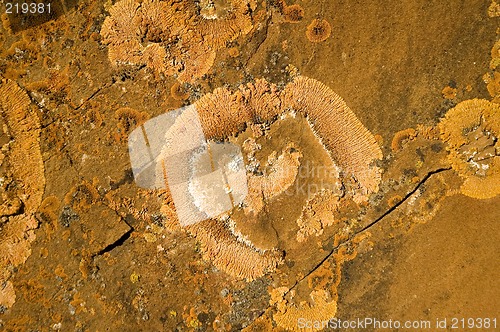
(402, 201)
(115, 244)
(91, 96)
(119, 242)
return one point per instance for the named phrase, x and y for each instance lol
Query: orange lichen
(7, 294)
(82, 196)
(121, 25)
(27, 172)
(94, 117)
(492, 83)
(472, 130)
(318, 31)
(320, 278)
(394, 200)
(350, 144)
(10, 206)
(449, 92)
(320, 312)
(129, 118)
(191, 318)
(222, 113)
(288, 307)
(201, 59)
(129, 23)
(233, 52)
(262, 100)
(175, 38)
(154, 57)
(33, 291)
(59, 271)
(262, 323)
(481, 188)
(492, 79)
(293, 13)
(323, 282)
(427, 132)
(24, 156)
(15, 240)
(179, 92)
(230, 255)
(78, 303)
(5, 22)
(379, 139)
(262, 107)
(494, 9)
(495, 51)
(171, 222)
(223, 21)
(401, 137)
(317, 214)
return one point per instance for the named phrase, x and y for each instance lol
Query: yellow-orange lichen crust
(225, 250)
(495, 55)
(121, 32)
(449, 92)
(318, 31)
(25, 157)
(26, 167)
(472, 131)
(494, 9)
(178, 92)
(262, 100)
(224, 114)
(350, 144)
(293, 13)
(317, 213)
(236, 258)
(222, 21)
(177, 38)
(492, 78)
(400, 137)
(323, 310)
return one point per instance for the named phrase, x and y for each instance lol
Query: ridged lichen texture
(471, 129)
(228, 114)
(23, 183)
(176, 38)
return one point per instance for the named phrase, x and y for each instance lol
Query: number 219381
(27, 8)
